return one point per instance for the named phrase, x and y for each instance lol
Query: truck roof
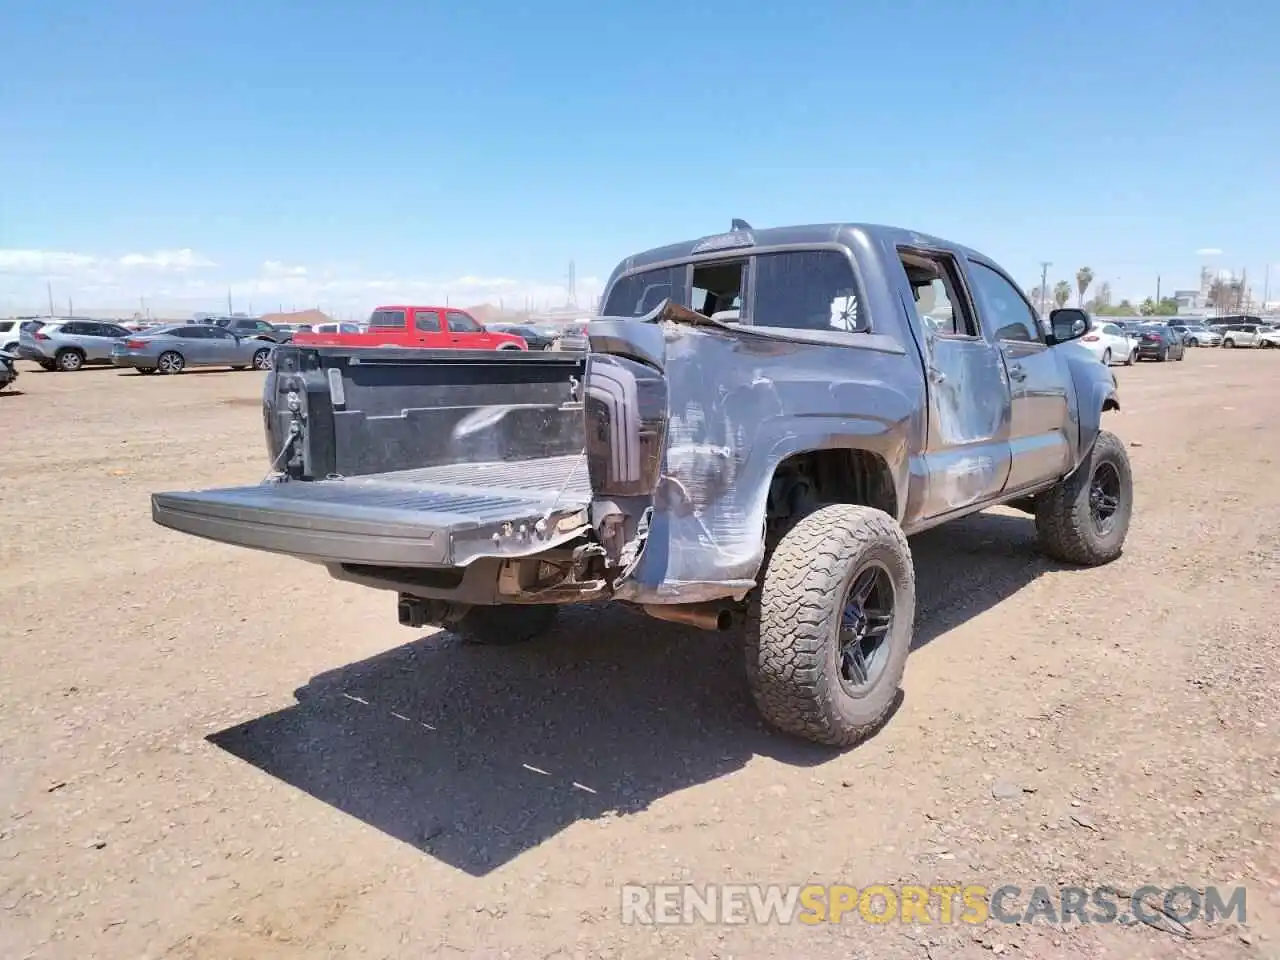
(849, 234)
(418, 306)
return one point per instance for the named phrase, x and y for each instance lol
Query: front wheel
(1106, 358)
(508, 346)
(1085, 518)
(830, 626)
(505, 624)
(1131, 358)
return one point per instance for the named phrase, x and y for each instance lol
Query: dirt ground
(208, 752)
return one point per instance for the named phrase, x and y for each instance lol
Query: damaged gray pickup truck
(758, 422)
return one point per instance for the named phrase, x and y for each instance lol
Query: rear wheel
(1228, 343)
(69, 360)
(505, 624)
(1085, 518)
(829, 628)
(171, 362)
(146, 371)
(261, 359)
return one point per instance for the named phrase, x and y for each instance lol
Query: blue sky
(345, 153)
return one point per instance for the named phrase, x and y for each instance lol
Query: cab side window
(807, 290)
(461, 323)
(1002, 308)
(935, 289)
(428, 321)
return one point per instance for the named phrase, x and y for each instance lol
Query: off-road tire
(1063, 520)
(793, 624)
(69, 360)
(505, 624)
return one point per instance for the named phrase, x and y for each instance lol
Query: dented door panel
(1044, 426)
(966, 458)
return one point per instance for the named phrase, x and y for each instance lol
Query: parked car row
(240, 342)
(1127, 341)
(168, 348)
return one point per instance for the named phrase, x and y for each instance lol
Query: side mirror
(1068, 323)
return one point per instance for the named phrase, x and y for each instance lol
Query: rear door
(81, 334)
(1117, 342)
(466, 334)
(967, 442)
(225, 346)
(428, 330)
(1038, 379)
(106, 335)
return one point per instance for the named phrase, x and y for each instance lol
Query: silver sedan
(174, 348)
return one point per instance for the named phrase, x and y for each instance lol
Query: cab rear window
(387, 319)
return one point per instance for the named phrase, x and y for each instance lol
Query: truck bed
(437, 516)
(406, 458)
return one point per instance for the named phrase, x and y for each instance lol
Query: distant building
(1191, 301)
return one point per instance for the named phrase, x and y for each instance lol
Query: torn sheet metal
(739, 403)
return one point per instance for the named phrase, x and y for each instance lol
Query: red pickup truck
(411, 326)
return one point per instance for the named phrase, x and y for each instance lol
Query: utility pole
(1157, 289)
(71, 307)
(1266, 286)
(228, 301)
(49, 290)
(1044, 283)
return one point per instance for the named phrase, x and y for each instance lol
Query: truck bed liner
(429, 517)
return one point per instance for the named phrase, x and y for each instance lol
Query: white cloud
(35, 263)
(184, 259)
(182, 280)
(1208, 252)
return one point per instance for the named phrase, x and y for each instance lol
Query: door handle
(937, 376)
(1016, 372)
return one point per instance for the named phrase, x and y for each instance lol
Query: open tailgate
(432, 517)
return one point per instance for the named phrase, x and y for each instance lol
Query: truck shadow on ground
(475, 755)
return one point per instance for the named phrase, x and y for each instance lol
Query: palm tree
(1084, 277)
(1061, 293)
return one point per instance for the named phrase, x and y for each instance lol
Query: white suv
(1248, 335)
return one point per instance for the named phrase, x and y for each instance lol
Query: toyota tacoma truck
(759, 422)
